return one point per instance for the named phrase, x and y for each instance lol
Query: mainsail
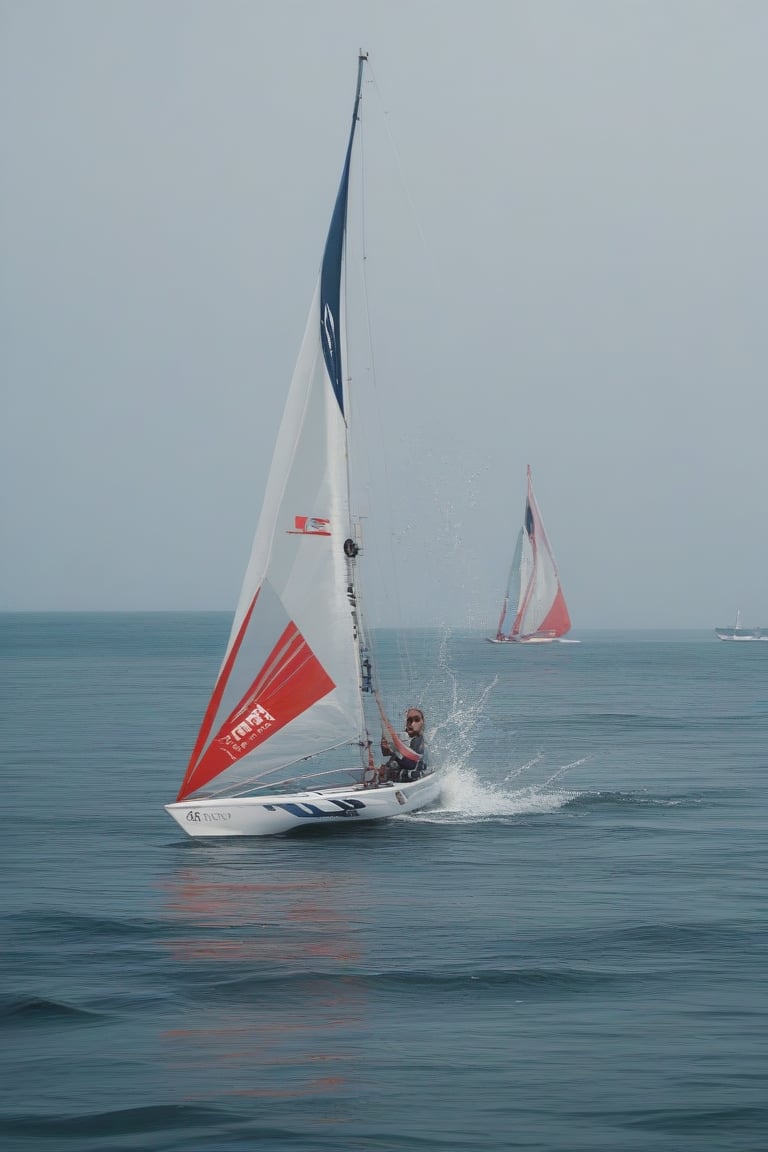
(290, 685)
(533, 588)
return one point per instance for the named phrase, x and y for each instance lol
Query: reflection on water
(271, 1003)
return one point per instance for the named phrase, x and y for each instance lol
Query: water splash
(466, 798)
(526, 788)
(453, 738)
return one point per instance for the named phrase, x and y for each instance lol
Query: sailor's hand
(385, 747)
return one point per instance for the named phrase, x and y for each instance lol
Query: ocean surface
(569, 953)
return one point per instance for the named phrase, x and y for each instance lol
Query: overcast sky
(577, 280)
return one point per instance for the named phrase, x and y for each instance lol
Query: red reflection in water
(271, 972)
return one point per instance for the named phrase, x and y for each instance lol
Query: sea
(567, 954)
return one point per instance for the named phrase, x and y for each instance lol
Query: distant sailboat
(533, 589)
(739, 633)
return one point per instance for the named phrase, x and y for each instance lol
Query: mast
(333, 328)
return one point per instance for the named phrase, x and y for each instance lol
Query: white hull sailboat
(288, 737)
(533, 589)
(269, 816)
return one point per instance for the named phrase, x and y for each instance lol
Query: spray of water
(467, 798)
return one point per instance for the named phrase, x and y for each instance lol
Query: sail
(541, 608)
(289, 685)
(514, 584)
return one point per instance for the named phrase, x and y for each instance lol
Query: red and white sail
(533, 593)
(290, 683)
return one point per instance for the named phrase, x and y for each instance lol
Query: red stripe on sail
(291, 681)
(557, 619)
(213, 706)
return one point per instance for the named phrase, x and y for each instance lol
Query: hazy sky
(577, 280)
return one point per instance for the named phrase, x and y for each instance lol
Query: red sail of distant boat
(533, 592)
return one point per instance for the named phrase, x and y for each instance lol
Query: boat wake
(467, 799)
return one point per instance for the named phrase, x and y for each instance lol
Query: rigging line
(291, 780)
(439, 281)
(296, 781)
(243, 786)
(402, 643)
(363, 641)
(400, 167)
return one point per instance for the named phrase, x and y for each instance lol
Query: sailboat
(533, 589)
(287, 740)
(739, 632)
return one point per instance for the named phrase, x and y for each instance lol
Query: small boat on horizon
(533, 588)
(739, 633)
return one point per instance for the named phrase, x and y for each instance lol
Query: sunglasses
(413, 720)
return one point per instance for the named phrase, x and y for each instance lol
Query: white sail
(290, 682)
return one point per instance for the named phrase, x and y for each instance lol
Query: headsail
(289, 686)
(533, 589)
(514, 583)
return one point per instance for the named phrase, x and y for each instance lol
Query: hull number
(196, 817)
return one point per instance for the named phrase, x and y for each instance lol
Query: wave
(115, 1122)
(465, 798)
(327, 989)
(34, 1009)
(634, 799)
(694, 937)
(81, 925)
(746, 1119)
